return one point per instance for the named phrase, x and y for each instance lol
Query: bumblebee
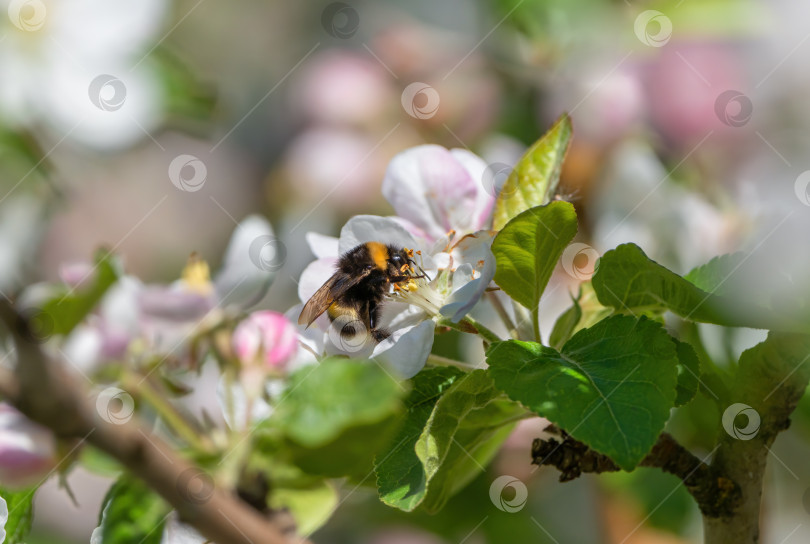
(355, 292)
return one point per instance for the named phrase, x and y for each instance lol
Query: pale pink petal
(27, 450)
(484, 201)
(428, 186)
(266, 335)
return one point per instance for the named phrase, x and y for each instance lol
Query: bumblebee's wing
(334, 288)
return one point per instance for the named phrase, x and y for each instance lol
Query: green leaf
(772, 376)
(629, 281)
(338, 414)
(310, 499)
(463, 433)
(190, 102)
(401, 477)
(68, 308)
(311, 506)
(20, 506)
(611, 386)
(455, 426)
(98, 462)
(566, 324)
(133, 513)
(688, 373)
(534, 180)
(528, 248)
(712, 276)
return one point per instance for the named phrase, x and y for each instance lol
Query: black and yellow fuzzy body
(355, 292)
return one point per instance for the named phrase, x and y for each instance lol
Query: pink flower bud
(76, 274)
(268, 337)
(27, 450)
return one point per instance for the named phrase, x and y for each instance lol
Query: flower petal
(407, 349)
(484, 201)
(314, 276)
(321, 245)
(103, 121)
(173, 304)
(4, 519)
(117, 28)
(473, 250)
(177, 532)
(438, 190)
(312, 339)
(237, 416)
(373, 228)
(252, 259)
(83, 348)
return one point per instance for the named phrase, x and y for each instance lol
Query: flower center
(196, 276)
(419, 292)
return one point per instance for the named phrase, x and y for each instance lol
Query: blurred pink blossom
(27, 450)
(338, 163)
(343, 87)
(683, 85)
(606, 107)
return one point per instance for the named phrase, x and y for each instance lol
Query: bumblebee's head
(398, 261)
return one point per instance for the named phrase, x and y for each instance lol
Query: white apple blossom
(79, 66)
(458, 272)
(443, 208)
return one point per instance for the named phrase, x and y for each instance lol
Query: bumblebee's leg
(374, 310)
(373, 314)
(380, 334)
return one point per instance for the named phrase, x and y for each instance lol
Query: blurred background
(153, 127)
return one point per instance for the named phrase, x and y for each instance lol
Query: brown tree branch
(715, 494)
(47, 394)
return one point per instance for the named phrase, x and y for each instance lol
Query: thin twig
(715, 494)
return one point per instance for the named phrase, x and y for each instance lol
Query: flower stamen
(418, 292)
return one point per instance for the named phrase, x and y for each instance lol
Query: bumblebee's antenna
(423, 274)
